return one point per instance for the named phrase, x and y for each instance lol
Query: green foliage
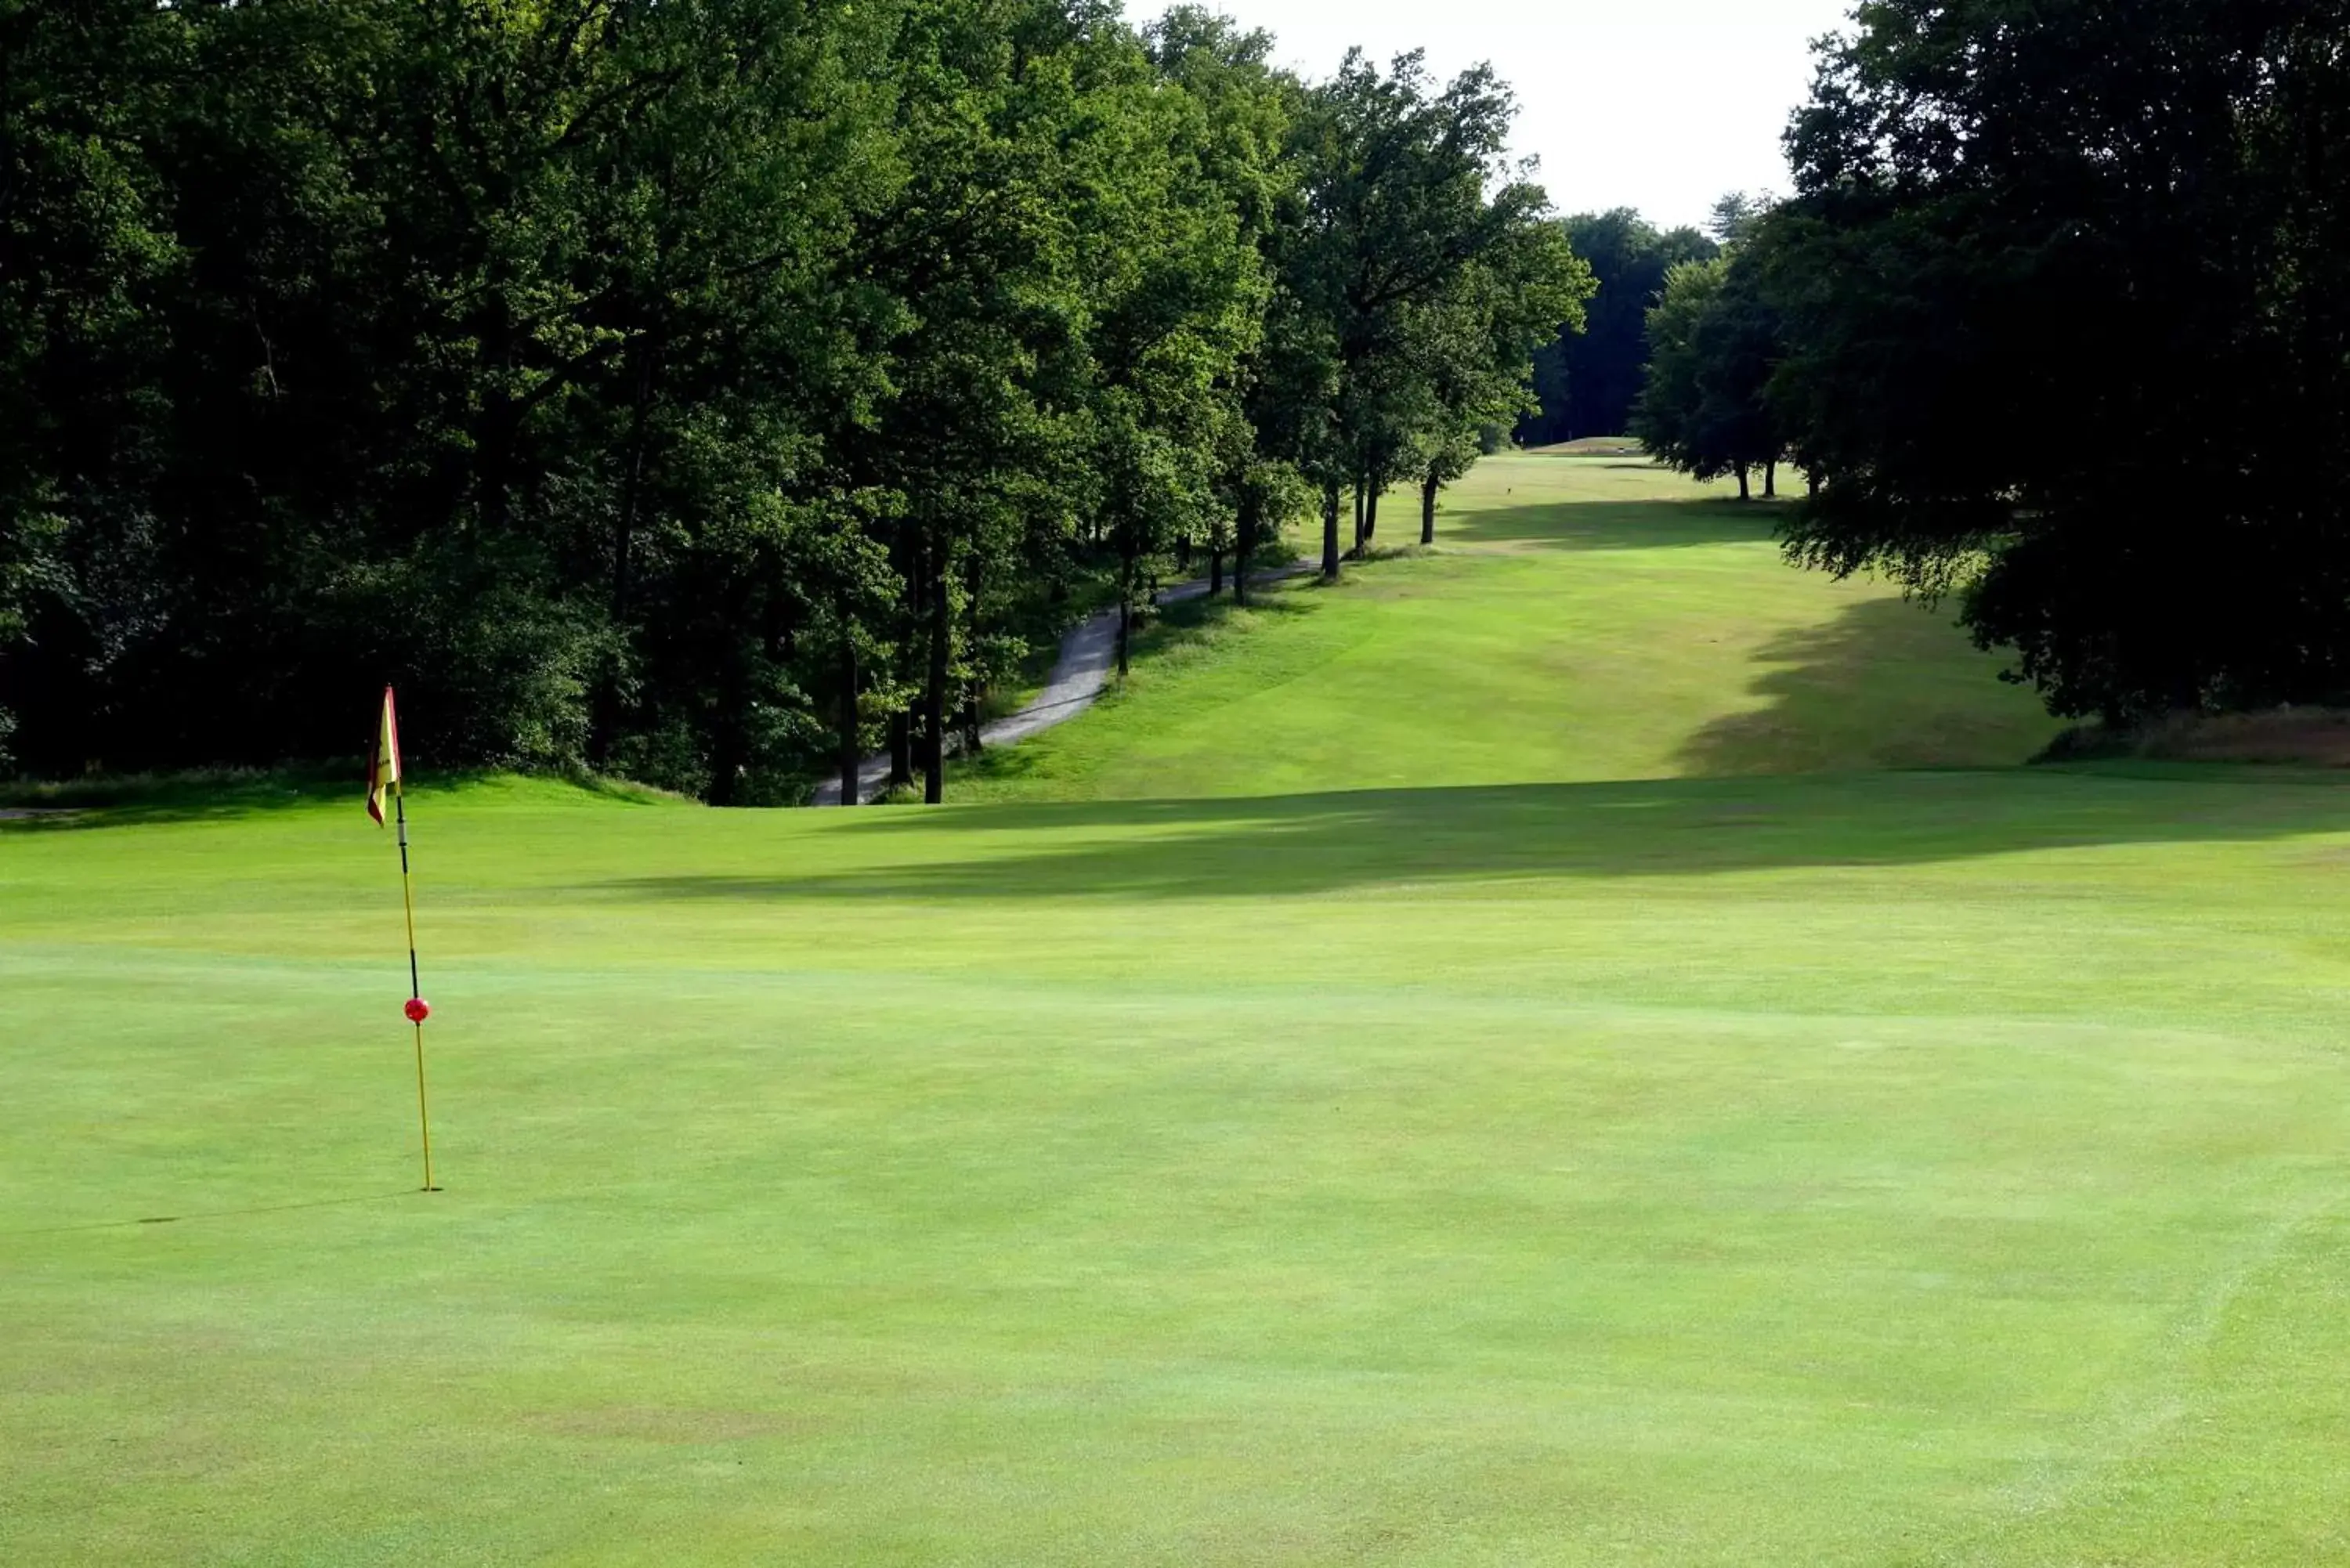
(1587, 382)
(1400, 256)
(1472, 348)
(1715, 342)
(2063, 290)
(1672, 396)
(702, 389)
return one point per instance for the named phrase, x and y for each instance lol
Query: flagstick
(415, 991)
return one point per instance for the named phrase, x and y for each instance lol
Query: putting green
(1860, 1168)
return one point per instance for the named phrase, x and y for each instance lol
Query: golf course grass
(1581, 618)
(1602, 1116)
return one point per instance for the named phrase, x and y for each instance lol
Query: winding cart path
(1088, 653)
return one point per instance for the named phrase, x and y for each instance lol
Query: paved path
(1088, 654)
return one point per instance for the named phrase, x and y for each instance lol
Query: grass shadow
(1321, 844)
(1882, 684)
(202, 1214)
(1615, 525)
(195, 795)
(219, 795)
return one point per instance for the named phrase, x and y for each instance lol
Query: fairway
(1581, 618)
(1576, 1048)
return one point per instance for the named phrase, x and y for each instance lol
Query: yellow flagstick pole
(416, 1011)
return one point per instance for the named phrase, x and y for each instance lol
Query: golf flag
(383, 773)
(383, 766)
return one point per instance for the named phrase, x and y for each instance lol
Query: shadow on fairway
(193, 1216)
(1876, 686)
(226, 796)
(204, 795)
(1611, 525)
(1319, 844)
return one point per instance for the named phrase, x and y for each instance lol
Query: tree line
(1587, 381)
(703, 390)
(2056, 323)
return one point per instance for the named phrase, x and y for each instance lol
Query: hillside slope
(1581, 618)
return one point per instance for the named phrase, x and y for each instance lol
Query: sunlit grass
(1581, 618)
(1928, 1167)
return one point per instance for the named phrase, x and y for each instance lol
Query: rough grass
(1930, 1167)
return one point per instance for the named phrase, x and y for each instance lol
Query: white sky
(1660, 105)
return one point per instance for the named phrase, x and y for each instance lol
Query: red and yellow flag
(383, 764)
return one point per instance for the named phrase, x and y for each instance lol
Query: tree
(1395, 209)
(1735, 216)
(2064, 288)
(1715, 343)
(1587, 382)
(488, 340)
(701, 389)
(1179, 287)
(1247, 108)
(85, 242)
(1473, 348)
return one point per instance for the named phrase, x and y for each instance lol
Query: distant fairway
(1583, 619)
(1509, 1119)
(1593, 446)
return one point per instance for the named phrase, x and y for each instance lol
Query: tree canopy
(1715, 343)
(701, 389)
(2062, 291)
(1586, 380)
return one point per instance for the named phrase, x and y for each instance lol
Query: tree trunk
(976, 690)
(1356, 553)
(1330, 532)
(729, 748)
(848, 736)
(1428, 488)
(1743, 493)
(1371, 517)
(901, 749)
(1770, 479)
(1243, 542)
(602, 733)
(1215, 570)
(1128, 568)
(934, 692)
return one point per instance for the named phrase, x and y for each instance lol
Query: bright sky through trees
(1656, 104)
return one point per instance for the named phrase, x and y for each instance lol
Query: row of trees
(703, 389)
(1716, 339)
(2057, 322)
(1587, 381)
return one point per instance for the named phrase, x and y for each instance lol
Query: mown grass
(1927, 1166)
(1580, 619)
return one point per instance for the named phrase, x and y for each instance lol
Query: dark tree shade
(697, 390)
(1587, 382)
(2067, 296)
